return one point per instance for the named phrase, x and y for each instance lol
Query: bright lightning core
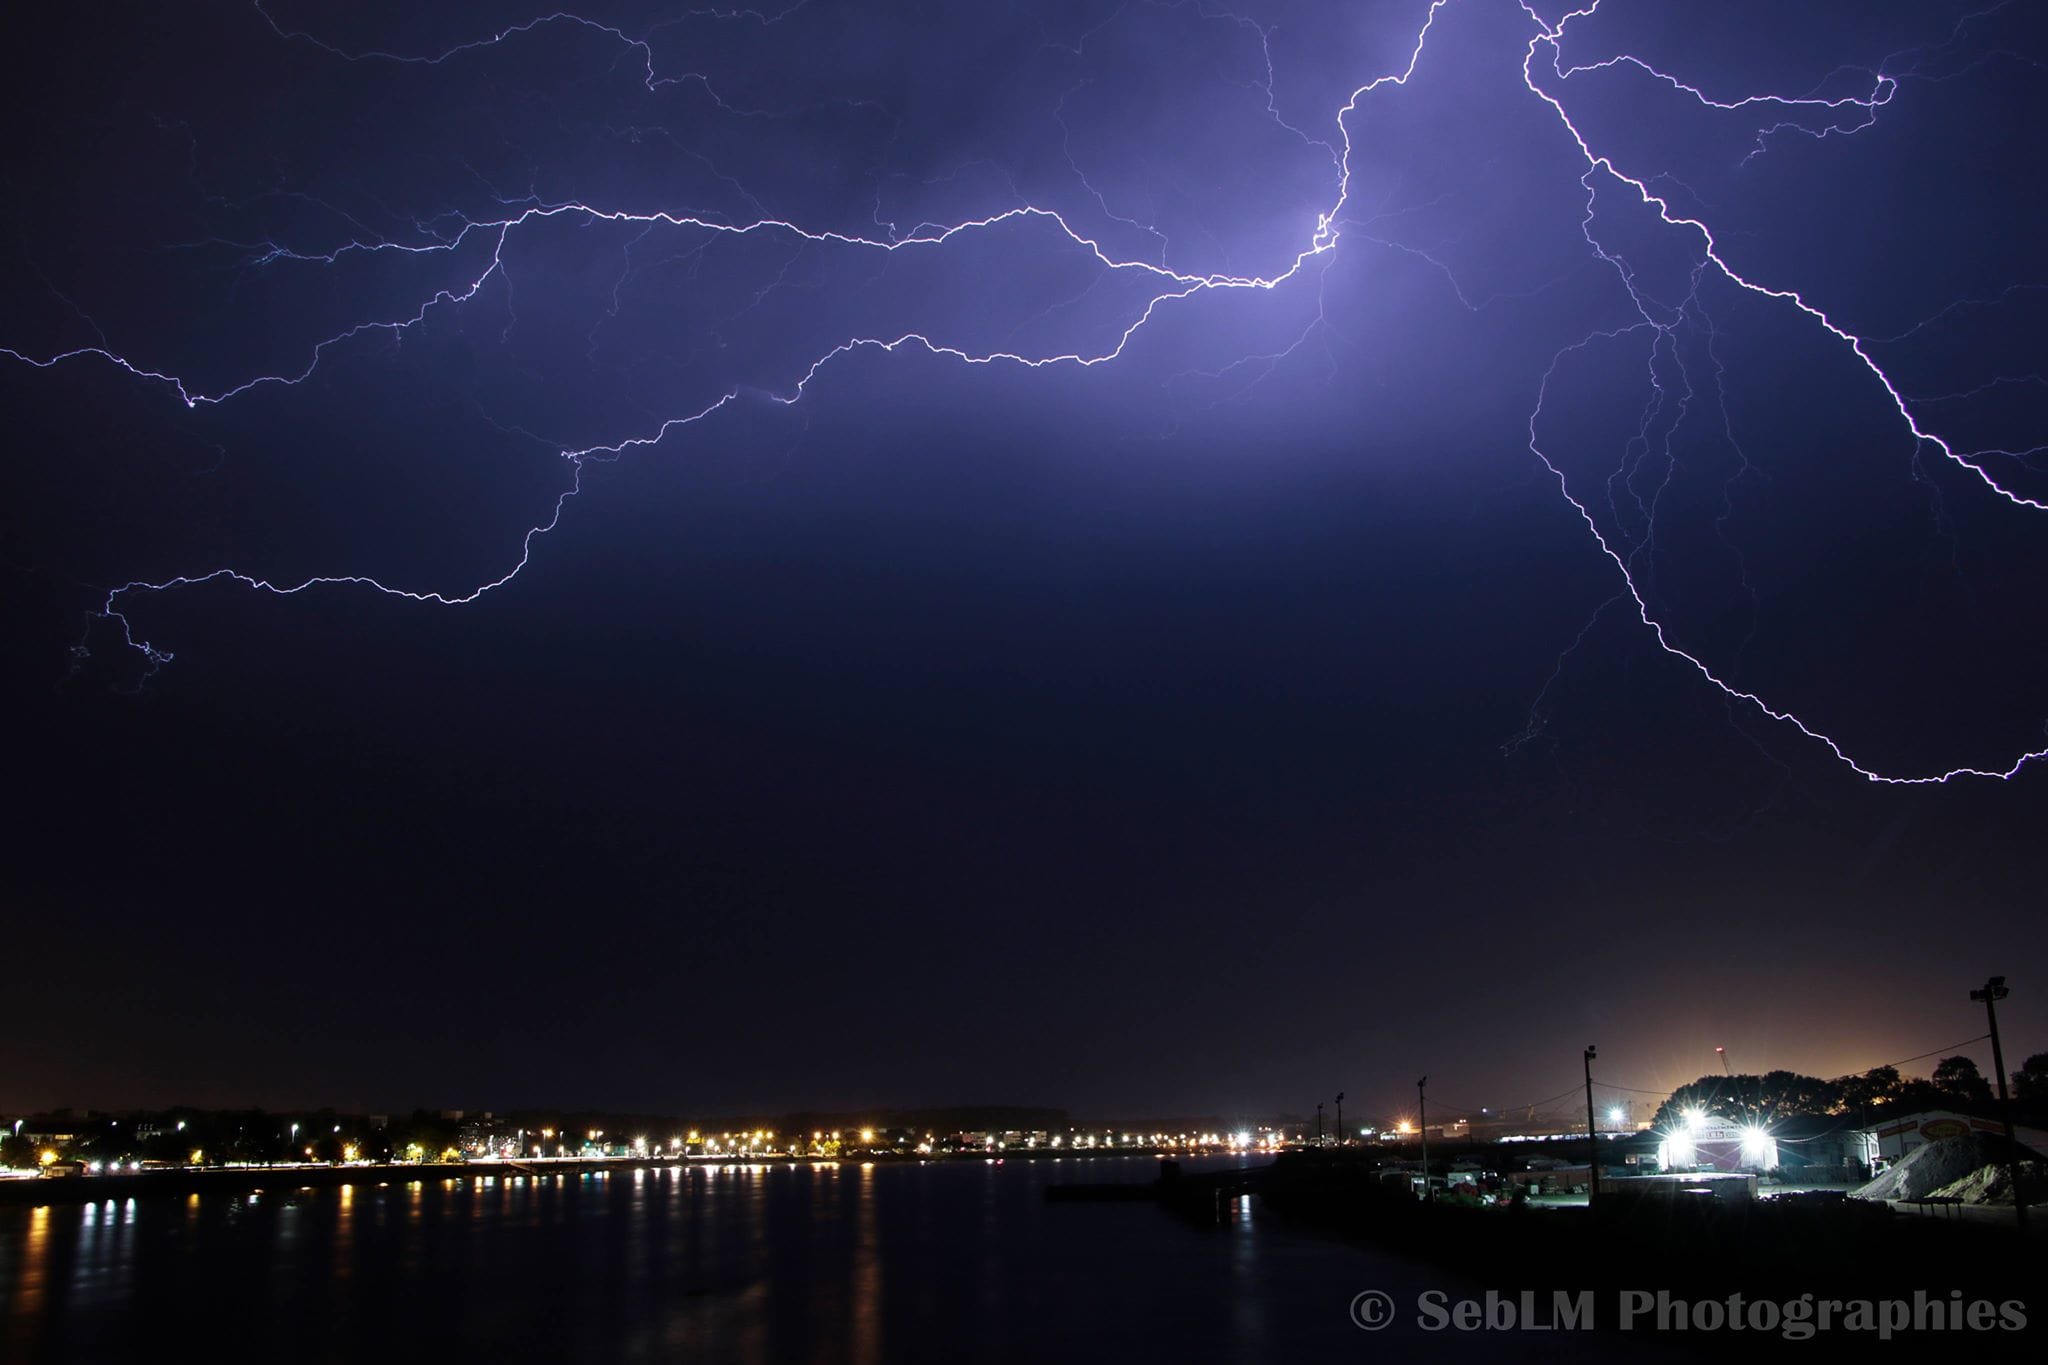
(688, 172)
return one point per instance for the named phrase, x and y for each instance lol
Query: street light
(1422, 1126)
(1592, 1133)
(1992, 992)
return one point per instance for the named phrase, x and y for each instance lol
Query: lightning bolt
(1546, 74)
(1549, 39)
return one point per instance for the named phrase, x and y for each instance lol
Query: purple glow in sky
(1380, 462)
(1561, 52)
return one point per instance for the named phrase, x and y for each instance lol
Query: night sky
(1242, 715)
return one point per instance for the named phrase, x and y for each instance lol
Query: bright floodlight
(1695, 1117)
(1614, 1116)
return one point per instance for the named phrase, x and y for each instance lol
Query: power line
(1932, 1052)
(1453, 1111)
(1720, 1081)
(1471, 1111)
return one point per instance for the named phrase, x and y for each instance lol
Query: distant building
(1708, 1142)
(1894, 1138)
(1555, 1178)
(484, 1138)
(49, 1137)
(1820, 1148)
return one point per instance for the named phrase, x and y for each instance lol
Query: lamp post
(1319, 1123)
(1340, 1118)
(1422, 1127)
(1992, 992)
(1592, 1133)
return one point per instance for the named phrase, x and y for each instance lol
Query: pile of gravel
(1993, 1184)
(1928, 1169)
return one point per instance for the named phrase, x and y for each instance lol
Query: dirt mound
(1927, 1169)
(1993, 1184)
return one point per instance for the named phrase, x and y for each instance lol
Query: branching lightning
(1548, 77)
(1550, 39)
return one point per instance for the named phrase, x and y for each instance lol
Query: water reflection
(865, 1340)
(856, 1262)
(32, 1267)
(344, 1231)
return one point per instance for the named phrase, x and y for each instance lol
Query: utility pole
(1994, 991)
(1340, 1118)
(1422, 1127)
(1592, 1132)
(1319, 1123)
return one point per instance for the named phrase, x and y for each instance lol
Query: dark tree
(1750, 1099)
(1876, 1088)
(2030, 1084)
(1782, 1093)
(1958, 1079)
(16, 1151)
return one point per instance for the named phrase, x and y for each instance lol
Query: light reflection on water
(859, 1263)
(31, 1269)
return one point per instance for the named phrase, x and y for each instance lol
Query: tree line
(1956, 1084)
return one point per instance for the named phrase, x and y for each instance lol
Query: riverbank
(174, 1181)
(1826, 1245)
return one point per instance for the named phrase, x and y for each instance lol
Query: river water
(948, 1261)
